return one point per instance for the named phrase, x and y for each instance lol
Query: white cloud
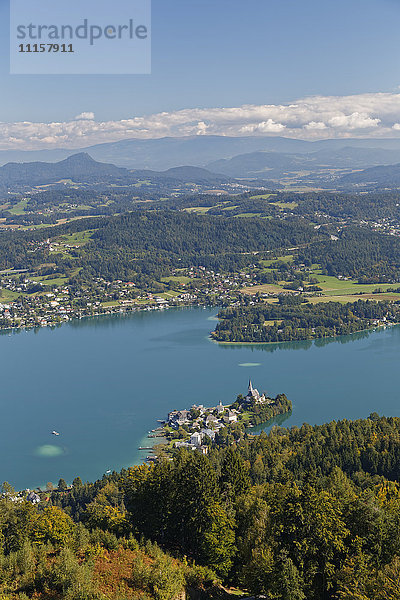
(315, 126)
(364, 115)
(269, 126)
(354, 121)
(85, 116)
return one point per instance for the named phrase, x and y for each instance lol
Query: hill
(375, 177)
(164, 153)
(185, 174)
(79, 168)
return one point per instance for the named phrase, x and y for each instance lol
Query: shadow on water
(278, 420)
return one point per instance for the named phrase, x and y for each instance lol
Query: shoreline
(120, 311)
(314, 339)
(238, 418)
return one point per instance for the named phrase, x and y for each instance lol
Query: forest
(302, 513)
(293, 318)
(150, 243)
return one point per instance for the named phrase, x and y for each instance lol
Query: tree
(234, 473)
(77, 483)
(258, 573)
(290, 585)
(218, 540)
(62, 485)
(53, 526)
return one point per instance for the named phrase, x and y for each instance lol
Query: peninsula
(293, 318)
(202, 428)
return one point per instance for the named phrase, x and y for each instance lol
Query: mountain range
(202, 151)
(82, 168)
(328, 165)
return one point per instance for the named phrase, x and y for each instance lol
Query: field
(19, 208)
(285, 205)
(77, 239)
(333, 289)
(261, 197)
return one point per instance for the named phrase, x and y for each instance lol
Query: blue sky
(226, 53)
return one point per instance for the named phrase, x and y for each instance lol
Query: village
(199, 428)
(29, 301)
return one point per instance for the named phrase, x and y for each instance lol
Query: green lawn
(78, 238)
(332, 286)
(55, 281)
(288, 258)
(261, 197)
(19, 208)
(9, 296)
(247, 215)
(283, 205)
(176, 279)
(197, 209)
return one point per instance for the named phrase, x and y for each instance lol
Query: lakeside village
(197, 429)
(201, 428)
(27, 301)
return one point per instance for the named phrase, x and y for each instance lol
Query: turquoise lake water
(103, 383)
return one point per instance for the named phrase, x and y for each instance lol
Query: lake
(102, 383)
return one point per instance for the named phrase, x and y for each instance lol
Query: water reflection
(298, 345)
(278, 420)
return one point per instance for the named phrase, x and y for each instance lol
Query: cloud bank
(316, 117)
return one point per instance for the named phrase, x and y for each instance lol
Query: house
(209, 433)
(230, 417)
(176, 418)
(196, 439)
(32, 497)
(210, 420)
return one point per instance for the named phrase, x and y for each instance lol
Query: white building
(196, 439)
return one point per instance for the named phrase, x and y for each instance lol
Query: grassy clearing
(170, 294)
(285, 205)
(266, 288)
(333, 289)
(262, 197)
(353, 298)
(176, 279)
(197, 209)
(77, 239)
(332, 286)
(54, 281)
(9, 296)
(247, 215)
(288, 258)
(19, 208)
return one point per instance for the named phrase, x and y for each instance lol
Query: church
(254, 395)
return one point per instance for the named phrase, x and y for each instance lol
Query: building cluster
(28, 300)
(200, 425)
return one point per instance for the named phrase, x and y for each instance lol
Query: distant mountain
(355, 157)
(387, 176)
(277, 164)
(79, 168)
(261, 164)
(165, 153)
(185, 174)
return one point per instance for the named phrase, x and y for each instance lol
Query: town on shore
(201, 428)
